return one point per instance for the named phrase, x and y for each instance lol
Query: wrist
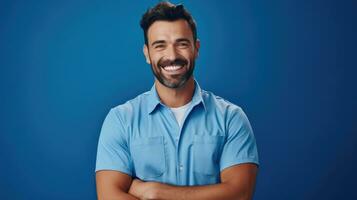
(158, 190)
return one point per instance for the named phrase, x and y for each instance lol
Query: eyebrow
(163, 41)
(158, 42)
(183, 40)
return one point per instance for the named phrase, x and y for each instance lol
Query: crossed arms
(237, 183)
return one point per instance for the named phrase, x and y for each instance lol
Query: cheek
(154, 58)
(190, 58)
(189, 54)
(155, 63)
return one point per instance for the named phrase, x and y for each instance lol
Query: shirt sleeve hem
(241, 161)
(125, 171)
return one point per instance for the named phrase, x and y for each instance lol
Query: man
(175, 141)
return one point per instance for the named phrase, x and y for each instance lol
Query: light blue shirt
(142, 138)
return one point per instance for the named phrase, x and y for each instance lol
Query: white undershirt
(179, 113)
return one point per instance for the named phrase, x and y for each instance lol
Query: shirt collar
(154, 100)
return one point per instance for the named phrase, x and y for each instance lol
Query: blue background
(290, 64)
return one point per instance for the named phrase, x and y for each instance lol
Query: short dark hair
(166, 11)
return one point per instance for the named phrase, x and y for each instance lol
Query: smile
(172, 68)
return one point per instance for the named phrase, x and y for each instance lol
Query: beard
(177, 80)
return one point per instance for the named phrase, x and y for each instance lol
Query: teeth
(173, 67)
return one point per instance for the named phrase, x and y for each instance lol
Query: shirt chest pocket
(206, 154)
(148, 155)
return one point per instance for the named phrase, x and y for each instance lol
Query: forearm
(237, 183)
(113, 185)
(118, 196)
(222, 191)
(126, 196)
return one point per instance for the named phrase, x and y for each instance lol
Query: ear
(146, 54)
(197, 47)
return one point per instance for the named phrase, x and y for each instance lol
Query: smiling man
(175, 141)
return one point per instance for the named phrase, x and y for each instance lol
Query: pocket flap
(207, 139)
(148, 140)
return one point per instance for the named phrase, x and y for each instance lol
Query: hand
(144, 190)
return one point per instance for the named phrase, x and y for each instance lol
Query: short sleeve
(240, 145)
(113, 152)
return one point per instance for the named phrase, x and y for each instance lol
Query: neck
(176, 97)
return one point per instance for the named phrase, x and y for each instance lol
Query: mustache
(177, 61)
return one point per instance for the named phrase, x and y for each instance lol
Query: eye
(183, 44)
(159, 46)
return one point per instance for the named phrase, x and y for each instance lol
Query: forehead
(169, 30)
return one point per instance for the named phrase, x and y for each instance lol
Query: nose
(171, 52)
